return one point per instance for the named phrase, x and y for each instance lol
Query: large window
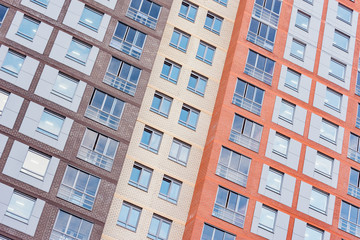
(333, 99)
(248, 96)
(323, 164)
(302, 20)
(354, 183)
(170, 189)
(328, 131)
(287, 111)
(297, 49)
(91, 18)
(230, 207)
(274, 180)
(213, 233)
(12, 63)
(145, 12)
(261, 34)
(170, 71)
(20, 207)
(259, 67)
(78, 51)
(65, 86)
(129, 216)
(159, 228)
(344, 13)
(161, 104)
(3, 99)
(205, 52)
(79, 188)
(179, 40)
(151, 139)
(28, 28)
(35, 164)
(319, 200)
(267, 10)
(354, 147)
(197, 84)
(179, 152)
(213, 23)
(105, 109)
(337, 69)
(341, 40)
(50, 124)
(189, 117)
(292, 79)
(267, 218)
(140, 177)
(313, 233)
(188, 11)
(128, 40)
(3, 11)
(349, 219)
(122, 76)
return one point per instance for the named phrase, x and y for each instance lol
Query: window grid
(354, 148)
(197, 84)
(129, 216)
(159, 228)
(170, 71)
(205, 53)
(145, 12)
(170, 189)
(213, 233)
(140, 177)
(348, 220)
(151, 139)
(179, 40)
(188, 11)
(267, 10)
(189, 117)
(179, 152)
(261, 34)
(161, 104)
(248, 96)
(213, 23)
(354, 184)
(259, 67)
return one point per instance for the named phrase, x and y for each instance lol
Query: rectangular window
(344, 14)
(333, 99)
(159, 228)
(68, 226)
(170, 189)
(35, 164)
(274, 180)
(297, 49)
(354, 147)
(13, 62)
(205, 52)
(323, 164)
(170, 71)
(292, 79)
(230, 207)
(341, 40)
(268, 10)
(179, 152)
(105, 109)
(248, 96)
(197, 84)
(213, 233)
(3, 99)
(145, 12)
(42, 3)
(328, 131)
(151, 139)
(287, 111)
(337, 69)
(78, 51)
(261, 34)
(129, 216)
(50, 124)
(161, 104)
(65, 86)
(319, 200)
(354, 184)
(281, 145)
(233, 166)
(79, 188)
(302, 20)
(349, 220)
(28, 28)
(189, 117)
(98, 149)
(313, 233)
(188, 11)
(140, 176)
(3, 11)
(357, 86)
(213, 23)
(179, 40)
(222, 2)
(20, 207)
(91, 18)
(267, 218)
(122, 76)
(128, 40)
(259, 67)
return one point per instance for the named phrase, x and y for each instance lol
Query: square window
(302, 21)
(3, 99)
(189, 117)
(281, 145)
(313, 233)
(213, 233)
(297, 50)
(35, 164)
(20, 207)
(3, 11)
(222, 2)
(129, 216)
(151, 139)
(274, 180)
(197, 84)
(292, 79)
(42, 3)
(90, 18)
(205, 52)
(28, 28)
(188, 11)
(248, 96)
(341, 40)
(213, 23)
(179, 152)
(13, 62)
(261, 34)
(78, 51)
(348, 220)
(179, 40)
(145, 12)
(267, 218)
(65, 86)
(328, 131)
(161, 104)
(170, 189)
(140, 177)
(287, 111)
(259, 67)
(337, 69)
(323, 164)
(333, 99)
(344, 14)
(319, 200)
(170, 71)
(159, 228)
(50, 124)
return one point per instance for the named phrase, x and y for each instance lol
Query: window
(270, 5)
(78, 51)
(248, 96)
(205, 52)
(349, 220)
(122, 76)
(20, 207)
(213, 23)
(161, 104)
(179, 152)
(297, 49)
(230, 207)
(189, 117)
(170, 189)
(79, 188)
(337, 69)
(292, 79)
(354, 147)
(287, 111)
(323, 164)
(188, 11)
(28, 28)
(129, 216)
(151, 139)
(354, 184)
(3, 99)
(159, 228)
(341, 40)
(179, 40)
(302, 21)
(3, 11)
(68, 226)
(170, 71)
(50, 124)
(91, 18)
(222, 2)
(246, 133)
(328, 131)
(274, 180)
(42, 3)
(65, 86)
(140, 177)
(313, 233)
(267, 218)
(145, 12)
(281, 145)
(267, 10)
(12, 63)
(259, 67)
(35, 164)
(344, 14)
(333, 99)
(261, 34)
(213, 233)
(105, 109)
(98, 149)
(197, 84)
(233, 166)
(128, 40)
(319, 200)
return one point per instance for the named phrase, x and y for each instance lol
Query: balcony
(125, 47)
(102, 117)
(229, 216)
(260, 41)
(141, 18)
(258, 74)
(76, 197)
(247, 104)
(120, 83)
(244, 141)
(349, 227)
(97, 159)
(265, 14)
(354, 191)
(231, 175)
(353, 155)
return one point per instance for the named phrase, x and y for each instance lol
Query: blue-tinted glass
(183, 42)
(344, 13)
(140, 39)
(254, 25)
(354, 177)
(70, 176)
(271, 34)
(92, 185)
(108, 104)
(201, 50)
(201, 85)
(232, 201)
(78, 51)
(145, 178)
(192, 12)
(269, 68)
(85, 230)
(209, 54)
(101, 144)
(124, 212)
(175, 38)
(28, 28)
(112, 147)
(154, 225)
(218, 234)
(344, 210)
(146, 137)
(98, 99)
(61, 221)
(135, 4)
(155, 10)
(217, 25)
(135, 174)
(193, 119)
(134, 78)
(156, 102)
(133, 218)
(50, 124)
(166, 69)
(120, 30)
(175, 72)
(221, 196)
(207, 232)
(165, 227)
(81, 181)
(238, 123)
(91, 18)
(261, 62)
(145, 7)
(165, 185)
(3, 11)
(73, 227)
(240, 87)
(42, 3)
(165, 107)
(192, 81)
(250, 92)
(13, 63)
(184, 115)
(252, 58)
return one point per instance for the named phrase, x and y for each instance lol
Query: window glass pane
(267, 218)
(221, 196)
(302, 20)
(28, 28)
(65, 86)
(280, 144)
(312, 233)
(318, 200)
(91, 18)
(328, 131)
(78, 51)
(274, 180)
(13, 63)
(344, 13)
(341, 40)
(323, 164)
(286, 111)
(337, 69)
(50, 124)
(297, 49)
(35, 164)
(333, 99)
(292, 79)
(20, 207)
